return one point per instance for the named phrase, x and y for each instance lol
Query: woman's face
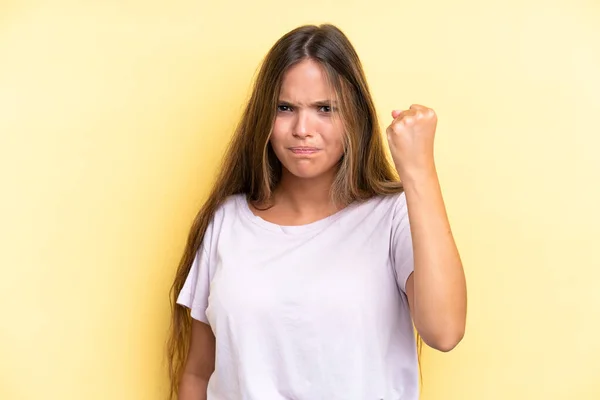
(306, 137)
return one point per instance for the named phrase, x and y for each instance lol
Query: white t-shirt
(311, 312)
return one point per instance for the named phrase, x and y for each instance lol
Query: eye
(326, 109)
(283, 108)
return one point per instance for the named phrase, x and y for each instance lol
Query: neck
(305, 195)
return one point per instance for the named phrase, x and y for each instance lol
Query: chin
(309, 173)
(305, 174)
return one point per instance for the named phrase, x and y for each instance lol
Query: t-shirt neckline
(288, 229)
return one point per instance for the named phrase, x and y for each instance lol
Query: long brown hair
(250, 165)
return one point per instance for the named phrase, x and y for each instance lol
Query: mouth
(303, 150)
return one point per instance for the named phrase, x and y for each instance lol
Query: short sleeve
(401, 242)
(195, 291)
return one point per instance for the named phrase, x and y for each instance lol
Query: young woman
(313, 257)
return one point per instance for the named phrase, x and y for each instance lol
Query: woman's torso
(310, 312)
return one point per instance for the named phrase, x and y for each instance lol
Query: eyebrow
(314, 104)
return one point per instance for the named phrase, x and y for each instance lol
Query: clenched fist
(410, 137)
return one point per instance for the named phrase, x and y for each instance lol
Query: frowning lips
(304, 150)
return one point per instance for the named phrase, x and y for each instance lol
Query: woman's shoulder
(229, 206)
(388, 201)
(378, 206)
(233, 200)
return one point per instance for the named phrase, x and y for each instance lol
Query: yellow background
(113, 117)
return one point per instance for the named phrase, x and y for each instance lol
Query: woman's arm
(200, 363)
(436, 290)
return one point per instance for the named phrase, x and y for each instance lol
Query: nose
(302, 126)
